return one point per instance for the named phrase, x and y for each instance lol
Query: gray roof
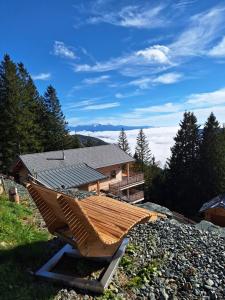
(218, 201)
(68, 177)
(95, 157)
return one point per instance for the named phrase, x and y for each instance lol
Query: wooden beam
(98, 188)
(128, 170)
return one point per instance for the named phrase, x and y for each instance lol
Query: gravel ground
(167, 260)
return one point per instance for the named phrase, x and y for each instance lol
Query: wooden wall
(104, 185)
(215, 216)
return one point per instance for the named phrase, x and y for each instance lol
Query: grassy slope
(21, 251)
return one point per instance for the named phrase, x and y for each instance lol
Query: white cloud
(131, 16)
(60, 49)
(142, 83)
(205, 99)
(219, 49)
(96, 80)
(164, 108)
(42, 76)
(147, 58)
(202, 30)
(168, 78)
(101, 106)
(81, 103)
(156, 53)
(147, 82)
(127, 95)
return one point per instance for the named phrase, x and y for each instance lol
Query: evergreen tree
(11, 108)
(123, 142)
(19, 127)
(182, 171)
(29, 123)
(56, 135)
(30, 133)
(142, 151)
(89, 143)
(212, 160)
(76, 142)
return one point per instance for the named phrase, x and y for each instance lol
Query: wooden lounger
(95, 225)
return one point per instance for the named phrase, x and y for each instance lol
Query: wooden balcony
(127, 182)
(134, 198)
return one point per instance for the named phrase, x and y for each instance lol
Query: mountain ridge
(104, 127)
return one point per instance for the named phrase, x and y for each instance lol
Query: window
(113, 174)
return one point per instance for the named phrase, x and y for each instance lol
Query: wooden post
(98, 188)
(128, 170)
(13, 195)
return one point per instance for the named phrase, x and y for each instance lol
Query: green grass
(23, 249)
(144, 274)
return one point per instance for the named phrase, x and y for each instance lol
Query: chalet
(105, 169)
(214, 210)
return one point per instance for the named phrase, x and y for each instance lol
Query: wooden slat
(119, 208)
(91, 209)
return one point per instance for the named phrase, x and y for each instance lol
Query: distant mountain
(102, 127)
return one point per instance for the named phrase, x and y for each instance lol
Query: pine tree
(212, 160)
(184, 159)
(142, 151)
(76, 142)
(123, 142)
(18, 123)
(56, 135)
(30, 133)
(10, 108)
(89, 143)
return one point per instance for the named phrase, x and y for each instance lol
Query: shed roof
(95, 157)
(216, 202)
(70, 176)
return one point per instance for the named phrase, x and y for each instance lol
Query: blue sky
(122, 62)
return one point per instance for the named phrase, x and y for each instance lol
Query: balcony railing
(126, 182)
(134, 197)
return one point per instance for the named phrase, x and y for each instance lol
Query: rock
(209, 282)
(163, 294)
(158, 208)
(208, 226)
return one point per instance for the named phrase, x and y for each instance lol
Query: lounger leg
(81, 283)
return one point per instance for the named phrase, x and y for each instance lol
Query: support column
(128, 193)
(128, 170)
(98, 188)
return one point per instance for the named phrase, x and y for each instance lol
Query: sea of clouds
(160, 139)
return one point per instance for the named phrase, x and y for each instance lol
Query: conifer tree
(10, 108)
(184, 159)
(142, 151)
(212, 160)
(30, 133)
(76, 142)
(123, 142)
(56, 135)
(18, 98)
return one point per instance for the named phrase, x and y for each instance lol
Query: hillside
(93, 141)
